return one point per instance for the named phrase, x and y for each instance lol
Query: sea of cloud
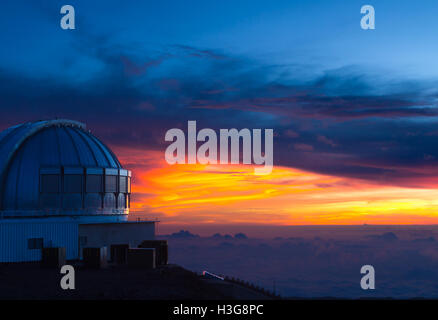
(322, 262)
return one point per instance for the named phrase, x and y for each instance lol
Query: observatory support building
(62, 187)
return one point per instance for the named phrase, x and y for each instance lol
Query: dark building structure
(61, 186)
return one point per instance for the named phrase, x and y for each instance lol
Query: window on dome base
(123, 184)
(110, 183)
(76, 188)
(73, 183)
(50, 183)
(94, 183)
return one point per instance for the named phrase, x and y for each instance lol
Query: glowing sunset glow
(188, 194)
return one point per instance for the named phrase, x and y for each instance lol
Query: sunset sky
(354, 112)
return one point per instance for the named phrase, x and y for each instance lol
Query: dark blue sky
(341, 100)
(316, 35)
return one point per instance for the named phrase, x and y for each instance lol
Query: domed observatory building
(62, 187)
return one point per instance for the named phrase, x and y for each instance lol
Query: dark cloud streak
(350, 130)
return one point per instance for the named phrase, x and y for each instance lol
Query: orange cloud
(227, 194)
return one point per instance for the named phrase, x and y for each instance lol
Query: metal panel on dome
(86, 156)
(5, 132)
(98, 154)
(69, 155)
(49, 153)
(13, 138)
(9, 142)
(44, 164)
(94, 170)
(10, 188)
(28, 177)
(50, 170)
(107, 152)
(110, 171)
(73, 170)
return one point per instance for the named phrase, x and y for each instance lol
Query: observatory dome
(56, 167)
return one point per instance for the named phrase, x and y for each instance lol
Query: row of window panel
(74, 183)
(90, 200)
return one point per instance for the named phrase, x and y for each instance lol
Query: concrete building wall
(106, 234)
(15, 235)
(18, 235)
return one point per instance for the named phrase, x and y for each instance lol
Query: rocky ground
(31, 281)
